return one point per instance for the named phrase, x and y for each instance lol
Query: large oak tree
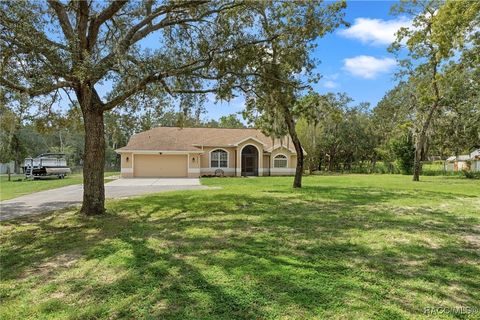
(83, 47)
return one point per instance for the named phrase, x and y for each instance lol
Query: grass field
(342, 247)
(18, 186)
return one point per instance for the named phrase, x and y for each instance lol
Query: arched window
(219, 159)
(280, 161)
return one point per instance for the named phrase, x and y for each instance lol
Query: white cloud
(368, 67)
(375, 31)
(333, 76)
(330, 84)
(330, 81)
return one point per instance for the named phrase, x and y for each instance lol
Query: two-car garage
(165, 165)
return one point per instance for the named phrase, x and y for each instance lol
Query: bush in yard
(470, 174)
(404, 151)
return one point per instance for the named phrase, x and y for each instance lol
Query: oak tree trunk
(94, 156)
(331, 159)
(420, 143)
(297, 181)
(416, 161)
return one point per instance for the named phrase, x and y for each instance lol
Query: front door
(249, 161)
(250, 166)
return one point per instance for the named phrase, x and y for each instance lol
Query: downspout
(235, 162)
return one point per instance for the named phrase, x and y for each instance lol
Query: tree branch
(155, 14)
(158, 77)
(100, 19)
(191, 67)
(56, 63)
(33, 92)
(141, 30)
(29, 31)
(82, 23)
(63, 19)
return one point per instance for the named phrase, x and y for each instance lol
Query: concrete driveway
(55, 199)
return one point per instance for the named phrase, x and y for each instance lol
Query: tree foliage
(403, 149)
(439, 30)
(337, 136)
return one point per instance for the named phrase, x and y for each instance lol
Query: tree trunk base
(92, 209)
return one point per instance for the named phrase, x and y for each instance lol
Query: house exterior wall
(126, 167)
(194, 164)
(266, 165)
(291, 162)
(194, 160)
(192, 143)
(206, 169)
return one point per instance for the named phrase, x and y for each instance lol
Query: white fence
(4, 167)
(471, 165)
(475, 166)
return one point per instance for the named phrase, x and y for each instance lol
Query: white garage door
(153, 166)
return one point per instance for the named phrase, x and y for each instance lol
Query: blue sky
(353, 60)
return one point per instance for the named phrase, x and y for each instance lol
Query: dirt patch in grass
(56, 264)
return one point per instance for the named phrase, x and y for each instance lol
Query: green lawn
(18, 186)
(343, 247)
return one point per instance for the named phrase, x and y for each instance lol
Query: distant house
(194, 152)
(468, 162)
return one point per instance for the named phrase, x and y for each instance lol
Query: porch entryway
(249, 161)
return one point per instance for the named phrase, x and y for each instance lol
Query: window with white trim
(280, 161)
(219, 159)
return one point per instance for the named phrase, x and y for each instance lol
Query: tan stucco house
(194, 152)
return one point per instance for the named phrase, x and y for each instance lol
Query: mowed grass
(18, 186)
(342, 247)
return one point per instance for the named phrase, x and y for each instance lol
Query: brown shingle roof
(191, 139)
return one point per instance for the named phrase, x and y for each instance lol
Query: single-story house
(194, 152)
(467, 162)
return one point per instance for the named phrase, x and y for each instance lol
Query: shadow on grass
(276, 252)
